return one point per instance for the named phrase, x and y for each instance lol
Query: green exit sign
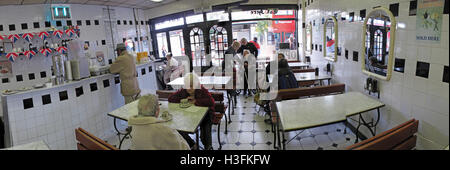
(61, 12)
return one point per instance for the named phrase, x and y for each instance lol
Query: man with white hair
(148, 131)
(125, 66)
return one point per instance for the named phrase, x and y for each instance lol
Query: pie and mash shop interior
(119, 75)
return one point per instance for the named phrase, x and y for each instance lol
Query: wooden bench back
(164, 94)
(87, 141)
(398, 138)
(309, 70)
(287, 94)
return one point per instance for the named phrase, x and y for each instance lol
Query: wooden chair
(164, 94)
(401, 137)
(87, 141)
(220, 109)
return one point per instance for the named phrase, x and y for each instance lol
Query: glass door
(177, 42)
(161, 39)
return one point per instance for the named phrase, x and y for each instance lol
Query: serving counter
(51, 114)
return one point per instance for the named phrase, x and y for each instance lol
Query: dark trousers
(2, 134)
(205, 133)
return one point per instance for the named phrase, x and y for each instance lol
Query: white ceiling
(142, 4)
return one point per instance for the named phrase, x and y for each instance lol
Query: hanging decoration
(58, 34)
(62, 50)
(14, 38)
(1, 37)
(70, 32)
(30, 54)
(46, 51)
(12, 56)
(28, 37)
(43, 35)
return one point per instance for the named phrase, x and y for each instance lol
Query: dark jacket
(249, 46)
(286, 78)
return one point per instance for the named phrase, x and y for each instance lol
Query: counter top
(68, 83)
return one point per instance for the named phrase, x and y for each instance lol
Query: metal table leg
(369, 125)
(197, 140)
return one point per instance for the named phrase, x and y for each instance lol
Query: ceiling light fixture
(156, 0)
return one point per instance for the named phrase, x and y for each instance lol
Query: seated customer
(199, 96)
(286, 78)
(148, 131)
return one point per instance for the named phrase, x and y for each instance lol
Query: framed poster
(429, 20)
(5, 68)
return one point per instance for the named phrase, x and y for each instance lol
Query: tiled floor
(248, 131)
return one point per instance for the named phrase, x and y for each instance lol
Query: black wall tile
(346, 54)
(446, 6)
(355, 56)
(43, 74)
(12, 27)
(116, 80)
(93, 87)
(88, 22)
(422, 69)
(143, 71)
(103, 42)
(394, 9)
(351, 17)
(47, 24)
(142, 22)
(124, 22)
(150, 69)
(362, 14)
(24, 26)
(5, 80)
(130, 22)
(399, 65)
(320, 48)
(110, 61)
(58, 23)
(118, 22)
(19, 78)
(446, 75)
(31, 76)
(96, 22)
(79, 23)
(106, 83)
(1, 27)
(63, 96)
(36, 25)
(28, 103)
(46, 99)
(79, 91)
(69, 22)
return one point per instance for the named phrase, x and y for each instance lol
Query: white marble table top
(38, 145)
(204, 80)
(301, 77)
(186, 120)
(311, 112)
(298, 64)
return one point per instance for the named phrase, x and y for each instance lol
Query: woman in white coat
(149, 132)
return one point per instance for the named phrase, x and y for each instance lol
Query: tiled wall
(53, 114)
(406, 95)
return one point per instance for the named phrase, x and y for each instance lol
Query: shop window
(194, 19)
(217, 16)
(219, 44)
(169, 23)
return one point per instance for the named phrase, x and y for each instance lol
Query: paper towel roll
(68, 70)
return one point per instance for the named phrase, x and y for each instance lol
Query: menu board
(429, 20)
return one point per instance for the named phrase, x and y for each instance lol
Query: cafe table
(183, 119)
(304, 77)
(300, 114)
(298, 65)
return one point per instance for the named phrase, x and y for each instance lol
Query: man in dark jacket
(248, 46)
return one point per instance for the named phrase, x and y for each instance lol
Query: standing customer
(125, 66)
(248, 46)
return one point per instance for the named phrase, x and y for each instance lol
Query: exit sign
(61, 12)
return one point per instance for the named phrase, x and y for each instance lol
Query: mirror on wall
(330, 39)
(378, 42)
(309, 45)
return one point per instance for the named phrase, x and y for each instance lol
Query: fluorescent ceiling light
(156, 0)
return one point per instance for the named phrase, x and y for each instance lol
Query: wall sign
(429, 20)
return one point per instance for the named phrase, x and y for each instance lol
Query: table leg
(117, 130)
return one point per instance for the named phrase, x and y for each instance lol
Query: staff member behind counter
(125, 66)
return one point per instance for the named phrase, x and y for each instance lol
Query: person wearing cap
(125, 66)
(199, 96)
(148, 131)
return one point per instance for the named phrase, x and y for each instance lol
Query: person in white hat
(125, 66)
(148, 131)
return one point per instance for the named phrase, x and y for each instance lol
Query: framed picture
(5, 68)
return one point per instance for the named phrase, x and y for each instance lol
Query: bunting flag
(62, 50)
(1, 37)
(30, 54)
(58, 33)
(14, 37)
(70, 32)
(28, 37)
(46, 51)
(12, 56)
(43, 35)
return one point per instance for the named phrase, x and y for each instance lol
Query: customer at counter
(199, 96)
(148, 131)
(125, 66)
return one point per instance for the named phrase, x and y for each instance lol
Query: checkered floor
(248, 131)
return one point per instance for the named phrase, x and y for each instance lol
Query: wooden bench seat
(87, 141)
(401, 137)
